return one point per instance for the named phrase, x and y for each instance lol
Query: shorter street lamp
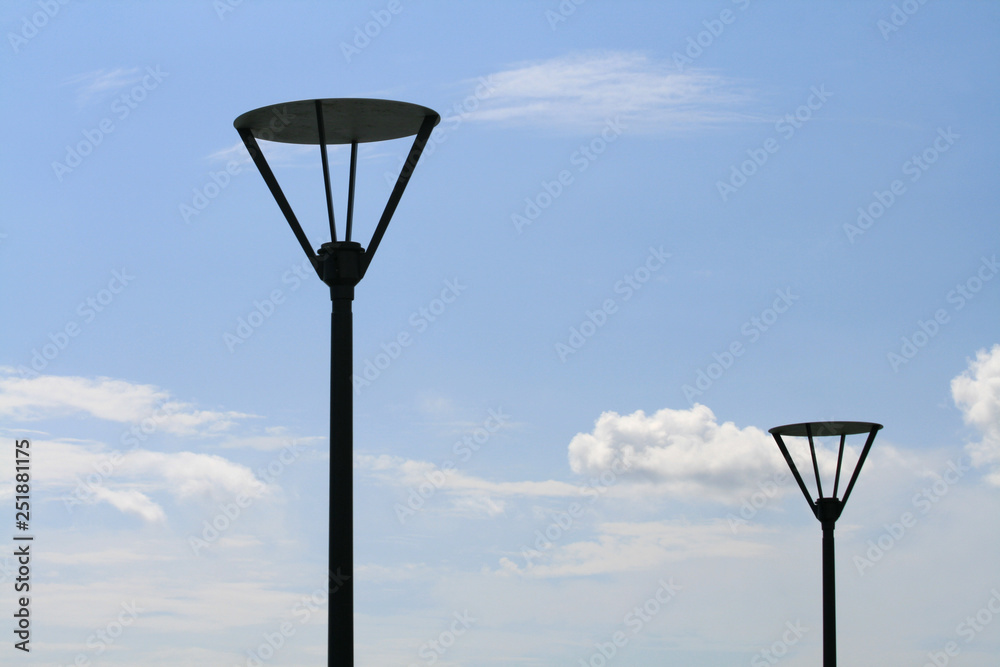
(827, 508)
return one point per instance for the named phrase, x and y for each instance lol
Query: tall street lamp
(341, 264)
(827, 508)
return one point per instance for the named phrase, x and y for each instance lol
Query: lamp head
(827, 508)
(337, 121)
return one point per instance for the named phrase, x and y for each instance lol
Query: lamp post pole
(829, 598)
(827, 511)
(340, 267)
(827, 508)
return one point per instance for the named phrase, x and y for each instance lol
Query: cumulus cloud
(685, 453)
(583, 91)
(976, 392)
(48, 396)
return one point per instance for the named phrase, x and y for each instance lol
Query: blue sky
(642, 235)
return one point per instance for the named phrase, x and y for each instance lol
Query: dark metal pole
(340, 645)
(829, 598)
(341, 270)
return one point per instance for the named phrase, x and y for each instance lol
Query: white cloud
(623, 547)
(94, 84)
(272, 440)
(684, 453)
(191, 476)
(408, 472)
(371, 573)
(237, 152)
(48, 396)
(131, 501)
(281, 155)
(976, 392)
(88, 473)
(105, 557)
(583, 91)
(468, 495)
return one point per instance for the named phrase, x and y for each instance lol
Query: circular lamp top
(345, 121)
(819, 429)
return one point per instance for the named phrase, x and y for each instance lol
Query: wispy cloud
(623, 547)
(293, 155)
(468, 495)
(581, 92)
(977, 394)
(272, 439)
(131, 501)
(49, 396)
(89, 473)
(94, 85)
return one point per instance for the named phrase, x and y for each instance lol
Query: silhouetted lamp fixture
(827, 508)
(340, 264)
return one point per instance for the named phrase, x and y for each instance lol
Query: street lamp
(827, 508)
(341, 264)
